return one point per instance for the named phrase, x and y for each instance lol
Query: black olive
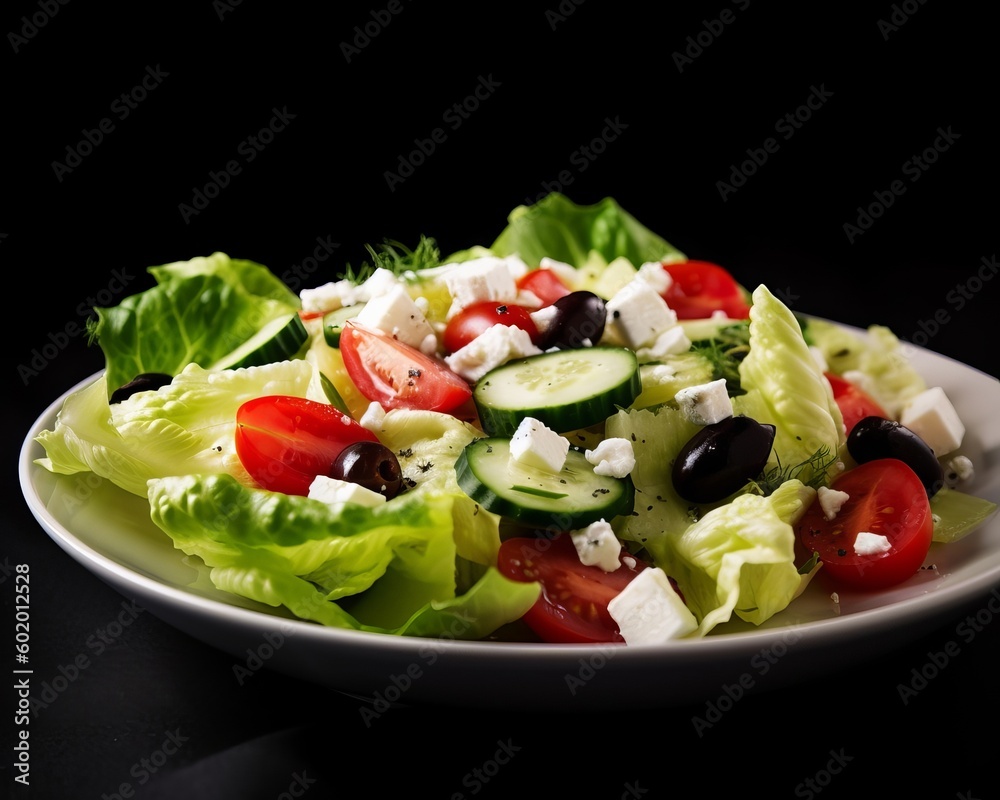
(721, 458)
(143, 382)
(369, 464)
(572, 321)
(876, 437)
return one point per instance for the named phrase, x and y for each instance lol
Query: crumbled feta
(373, 417)
(613, 456)
(871, 544)
(534, 444)
(706, 403)
(544, 317)
(567, 273)
(934, 419)
(637, 314)
(650, 611)
(486, 278)
(329, 296)
(961, 467)
(831, 501)
(397, 315)
(671, 342)
(334, 492)
(497, 345)
(656, 276)
(429, 346)
(597, 545)
(378, 283)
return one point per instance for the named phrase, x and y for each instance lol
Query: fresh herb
(812, 472)
(725, 352)
(538, 492)
(395, 257)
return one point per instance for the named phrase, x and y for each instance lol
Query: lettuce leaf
(187, 426)
(557, 228)
(199, 312)
(388, 569)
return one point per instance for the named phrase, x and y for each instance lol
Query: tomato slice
(472, 320)
(544, 284)
(854, 403)
(397, 375)
(885, 497)
(573, 605)
(700, 288)
(284, 441)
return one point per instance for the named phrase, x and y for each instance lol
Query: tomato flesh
(397, 375)
(700, 288)
(284, 441)
(544, 284)
(573, 605)
(473, 320)
(885, 497)
(854, 403)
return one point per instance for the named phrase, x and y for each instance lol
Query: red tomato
(397, 375)
(854, 404)
(472, 320)
(573, 605)
(700, 288)
(284, 442)
(306, 316)
(885, 497)
(543, 284)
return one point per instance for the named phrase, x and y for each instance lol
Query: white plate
(109, 532)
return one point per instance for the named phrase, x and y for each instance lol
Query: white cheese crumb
(373, 417)
(706, 403)
(649, 610)
(613, 456)
(962, 467)
(871, 544)
(597, 545)
(831, 501)
(335, 492)
(534, 444)
(934, 419)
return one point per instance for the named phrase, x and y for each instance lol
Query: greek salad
(576, 433)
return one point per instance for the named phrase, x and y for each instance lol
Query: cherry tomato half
(284, 441)
(885, 497)
(854, 403)
(573, 605)
(700, 288)
(544, 284)
(397, 375)
(472, 320)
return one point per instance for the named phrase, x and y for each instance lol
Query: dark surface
(218, 74)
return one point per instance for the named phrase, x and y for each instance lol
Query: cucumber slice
(569, 499)
(565, 389)
(278, 340)
(334, 321)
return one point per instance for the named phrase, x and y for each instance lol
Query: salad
(575, 432)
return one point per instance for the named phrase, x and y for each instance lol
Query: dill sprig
(812, 472)
(395, 257)
(725, 352)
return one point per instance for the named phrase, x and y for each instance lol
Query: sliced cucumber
(334, 321)
(569, 499)
(565, 389)
(279, 340)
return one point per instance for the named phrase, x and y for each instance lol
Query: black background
(689, 96)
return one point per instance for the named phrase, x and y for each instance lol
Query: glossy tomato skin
(544, 284)
(886, 497)
(284, 441)
(573, 605)
(700, 288)
(473, 320)
(854, 403)
(397, 375)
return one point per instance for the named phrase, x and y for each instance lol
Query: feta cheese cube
(567, 273)
(486, 278)
(871, 544)
(831, 501)
(373, 417)
(496, 345)
(637, 314)
(706, 403)
(536, 445)
(335, 492)
(395, 313)
(671, 342)
(378, 283)
(329, 296)
(613, 456)
(649, 611)
(597, 546)
(656, 276)
(934, 419)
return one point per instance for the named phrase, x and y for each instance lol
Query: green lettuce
(785, 387)
(185, 427)
(388, 569)
(557, 228)
(200, 311)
